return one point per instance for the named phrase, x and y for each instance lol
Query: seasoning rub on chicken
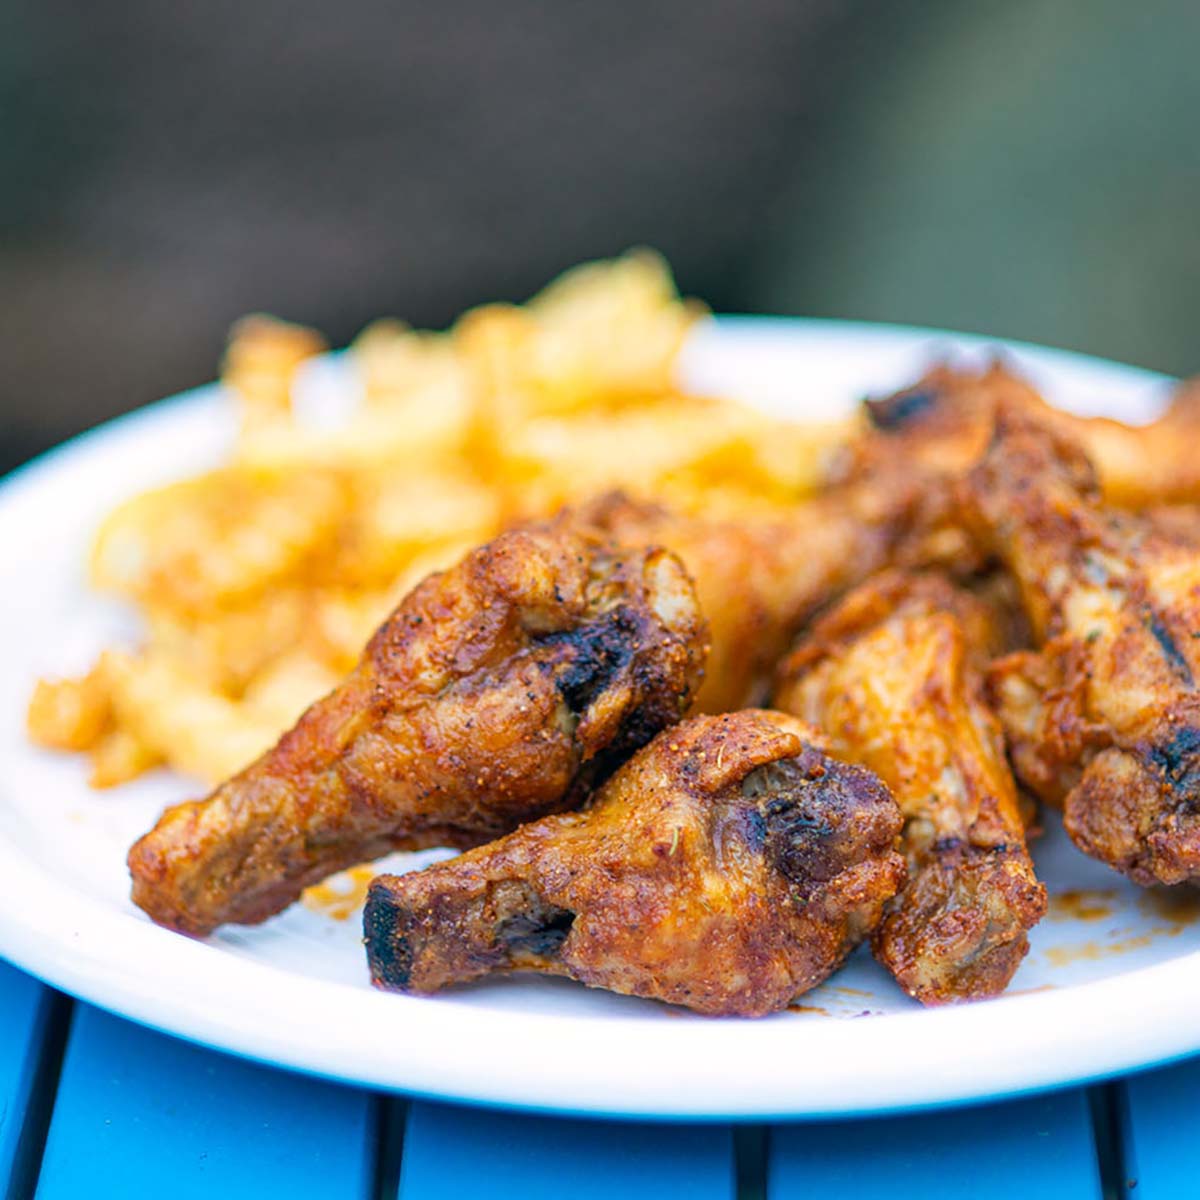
(729, 866)
(1104, 716)
(893, 675)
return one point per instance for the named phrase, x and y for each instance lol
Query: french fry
(118, 757)
(260, 365)
(612, 328)
(217, 539)
(70, 714)
(184, 723)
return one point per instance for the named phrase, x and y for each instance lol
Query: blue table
(94, 1106)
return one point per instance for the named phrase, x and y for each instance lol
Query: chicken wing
(760, 576)
(1105, 716)
(941, 425)
(727, 867)
(497, 692)
(893, 676)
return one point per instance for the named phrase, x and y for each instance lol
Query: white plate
(1111, 992)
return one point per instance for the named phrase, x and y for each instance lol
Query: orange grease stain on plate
(849, 991)
(1083, 905)
(1062, 956)
(340, 896)
(808, 1008)
(1179, 907)
(1174, 908)
(1029, 991)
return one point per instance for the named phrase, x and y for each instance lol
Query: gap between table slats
(391, 1117)
(33, 1021)
(1158, 1113)
(1105, 1102)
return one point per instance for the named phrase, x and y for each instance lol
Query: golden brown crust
(919, 443)
(1143, 465)
(1176, 522)
(1105, 716)
(941, 425)
(727, 867)
(491, 696)
(893, 676)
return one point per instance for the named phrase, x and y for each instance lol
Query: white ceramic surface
(1112, 981)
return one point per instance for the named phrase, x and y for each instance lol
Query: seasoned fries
(198, 546)
(258, 583)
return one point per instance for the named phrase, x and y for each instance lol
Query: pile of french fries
(259, 583)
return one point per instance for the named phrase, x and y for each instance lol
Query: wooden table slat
(141, 1114)
(1160, 1113)
(25, 1012)
(488, 1155)
(1041, 1147)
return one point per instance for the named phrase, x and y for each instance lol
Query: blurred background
(1029, 168)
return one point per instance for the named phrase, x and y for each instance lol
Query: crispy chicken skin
(1104, 717)
(1142, 465)
(918, 444)
(761, 576)
(496, 693)
(893, 676)
(1178, 523)
(728, 866)
(942, 424)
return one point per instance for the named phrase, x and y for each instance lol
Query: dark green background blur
(1028, 168)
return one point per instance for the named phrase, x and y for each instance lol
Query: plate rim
(121, 962)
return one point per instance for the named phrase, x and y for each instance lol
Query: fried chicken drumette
(728, 866)
(1104, 717)
(893, 675)
(497, 692)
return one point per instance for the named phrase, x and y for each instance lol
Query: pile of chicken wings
(700, 760)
